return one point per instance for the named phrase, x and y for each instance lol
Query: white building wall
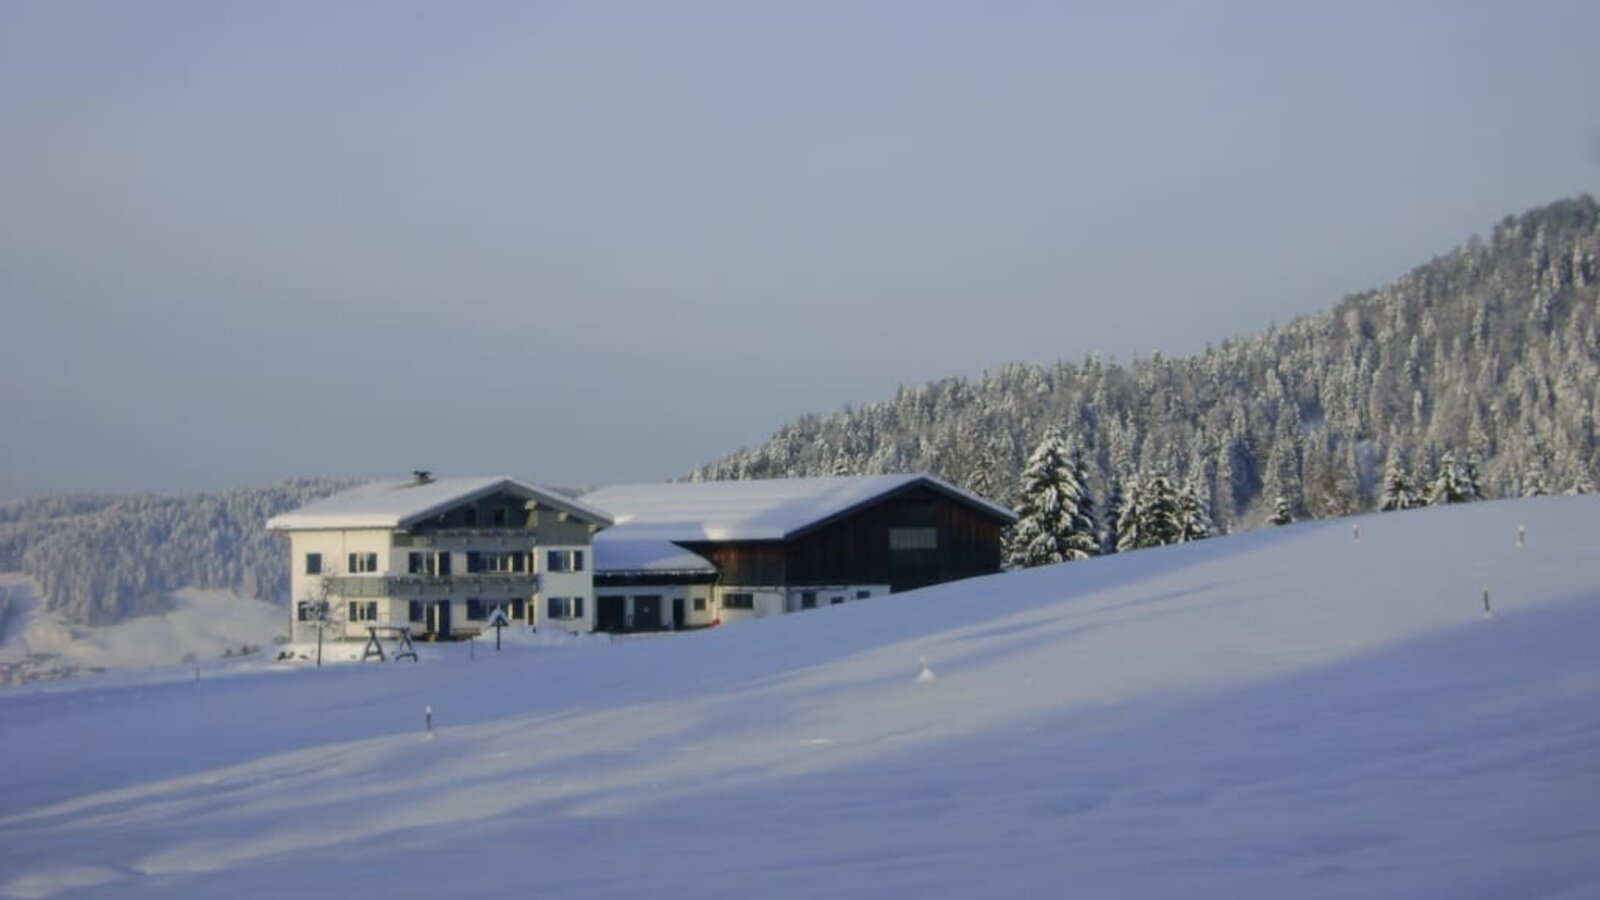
(707, 613)
(335, 547)
(832, 595)
(769, 600)
(564, 584)
(776, 600)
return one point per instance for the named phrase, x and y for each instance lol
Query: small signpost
(497, 621)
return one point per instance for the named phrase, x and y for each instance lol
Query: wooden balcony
(462, 539)
(476, 584)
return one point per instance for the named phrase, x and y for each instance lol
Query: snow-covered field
(1287, 713)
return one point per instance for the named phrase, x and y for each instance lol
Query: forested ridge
(102, 558)
(1483, 360)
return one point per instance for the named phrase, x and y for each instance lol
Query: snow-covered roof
(756, 510)
(403, 503)
(627, 555)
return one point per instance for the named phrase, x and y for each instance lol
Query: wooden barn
(691, 554)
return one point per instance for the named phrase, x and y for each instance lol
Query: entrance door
(439, 619)
(647, 612)
(609, 614)
(678, 618)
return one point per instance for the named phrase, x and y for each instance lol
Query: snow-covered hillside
(37, 643)
(1287, 713)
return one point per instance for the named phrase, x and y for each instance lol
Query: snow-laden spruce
(1055, 513)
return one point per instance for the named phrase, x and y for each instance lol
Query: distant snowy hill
(1312, 711)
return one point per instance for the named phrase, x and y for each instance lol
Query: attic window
(913, 539)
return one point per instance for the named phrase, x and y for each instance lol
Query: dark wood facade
(868, 545)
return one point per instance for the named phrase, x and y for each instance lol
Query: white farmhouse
(440, 554)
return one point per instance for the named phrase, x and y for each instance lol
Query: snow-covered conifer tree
(1083, 536)
(1194, 522)
(1282, 512)
(1113, 515)
(1471, 489)
(1451, 484)
(1130, 518)
(1054, 517)
(1397, 493)
(1162, 523)
(977, 480)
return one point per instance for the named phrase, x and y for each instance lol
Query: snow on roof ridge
(755, 508)
(398, 503)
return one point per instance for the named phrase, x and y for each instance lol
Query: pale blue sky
(592, 242)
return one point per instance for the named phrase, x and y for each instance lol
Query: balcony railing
(487, 584)
(469, 539)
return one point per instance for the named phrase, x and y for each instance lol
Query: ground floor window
(808, 599)
(517, 610)
(862, 595)
(474, 608)
(738, 600)
(363, 610)
(699, 604)
(417, 611)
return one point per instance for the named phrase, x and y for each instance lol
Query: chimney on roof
(421, 476)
